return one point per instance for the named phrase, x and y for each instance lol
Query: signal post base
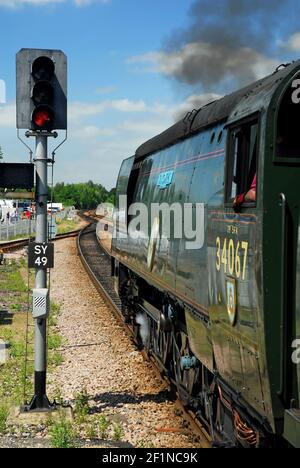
(20, 417)
(39, 404)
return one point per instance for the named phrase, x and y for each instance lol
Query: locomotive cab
(281, 252)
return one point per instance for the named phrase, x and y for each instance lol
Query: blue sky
(129, 68)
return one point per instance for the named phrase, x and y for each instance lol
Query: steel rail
(95, 280)
(11, 246)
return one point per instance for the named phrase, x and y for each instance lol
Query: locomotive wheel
(185, 379)
(161, 342)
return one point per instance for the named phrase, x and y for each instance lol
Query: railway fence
(13, 229)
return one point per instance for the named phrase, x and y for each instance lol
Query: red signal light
(43, 118)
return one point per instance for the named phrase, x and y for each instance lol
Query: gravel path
(100, 357)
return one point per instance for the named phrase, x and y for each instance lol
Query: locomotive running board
(292, 427)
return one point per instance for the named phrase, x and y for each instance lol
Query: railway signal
(41, 90)
(41, 109)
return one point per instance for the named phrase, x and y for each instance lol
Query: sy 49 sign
(41, 256)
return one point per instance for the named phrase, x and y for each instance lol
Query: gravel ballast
(100, 358)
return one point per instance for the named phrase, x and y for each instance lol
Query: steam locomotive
(217, 302)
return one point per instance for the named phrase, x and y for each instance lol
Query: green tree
(111, 198)
(83, 196)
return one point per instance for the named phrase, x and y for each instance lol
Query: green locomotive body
(222, 309)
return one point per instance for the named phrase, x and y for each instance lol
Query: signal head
(41, 90)
(42, 94)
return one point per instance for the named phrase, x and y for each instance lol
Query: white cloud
(164, 115)
(91, 131)
(2, 92)
(150, 62)
(19, 3)
(147, 128)
(293, 43)
(8, 116)
(124, 105)
(105, 90)
(82, 3)
(39, 3)
(83, 110)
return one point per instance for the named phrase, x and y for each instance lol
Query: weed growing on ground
(12, 281)
(66, 226)
(81, 406)
(56, 359)
(58, 396)
(6, 334)
(14, 389)
(145, 444)
(3, 418)
(54, 341)
(103, 426)
(54, 313)
(62, 435)
(118, 432)
(91, 431)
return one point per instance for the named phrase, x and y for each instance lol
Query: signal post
(41, 109)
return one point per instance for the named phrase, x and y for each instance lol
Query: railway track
(97, 263)
(18, 244)
(11, 246)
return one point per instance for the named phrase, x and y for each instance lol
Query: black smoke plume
(229, 43)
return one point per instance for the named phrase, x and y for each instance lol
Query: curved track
(18, 244)
(97, 263)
